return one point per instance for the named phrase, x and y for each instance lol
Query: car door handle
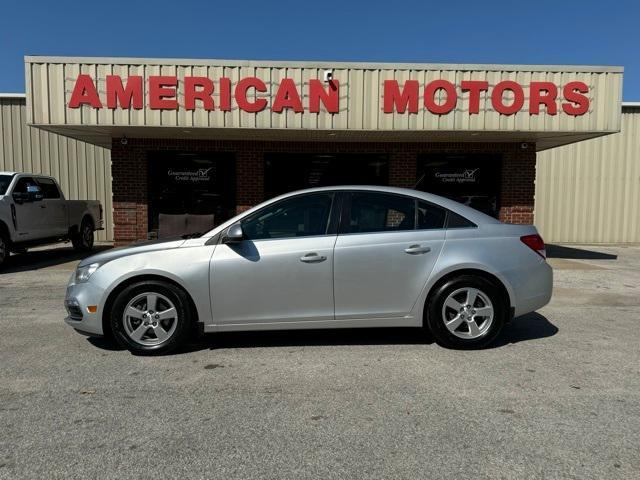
(313, 258)
(43, 206)
(417, 249)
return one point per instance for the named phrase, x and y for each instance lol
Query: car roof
(456, 207)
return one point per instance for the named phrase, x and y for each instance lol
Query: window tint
(430, 217)
(457, 221)
(23, 184)
(300, 216)
(49, 188)
(380, 212)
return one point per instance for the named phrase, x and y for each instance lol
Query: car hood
(115, 253)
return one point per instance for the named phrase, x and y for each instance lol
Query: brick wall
(130, 169)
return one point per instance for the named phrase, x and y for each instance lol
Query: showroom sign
(250, 94)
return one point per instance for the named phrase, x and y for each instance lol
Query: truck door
(54, 208)
(27, 212)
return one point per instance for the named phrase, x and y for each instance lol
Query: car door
(282, 271)
(54, 220)
(384, 254)
(27, 213)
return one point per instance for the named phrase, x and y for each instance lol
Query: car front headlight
(83, 274)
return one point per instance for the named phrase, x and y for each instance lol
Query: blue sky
(538, 32)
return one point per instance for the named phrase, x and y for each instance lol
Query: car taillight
(535, 243)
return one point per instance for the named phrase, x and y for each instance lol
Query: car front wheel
(151, 317)
(466, 312)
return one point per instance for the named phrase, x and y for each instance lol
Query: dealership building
(199, 141)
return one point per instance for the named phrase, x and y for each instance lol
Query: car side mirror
(20, 197)
(234, 234)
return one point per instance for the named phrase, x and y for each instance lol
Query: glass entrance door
(473, 180)
(190, 190)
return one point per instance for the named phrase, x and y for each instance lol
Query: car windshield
(5, 180)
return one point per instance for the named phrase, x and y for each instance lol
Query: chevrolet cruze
(334, 257)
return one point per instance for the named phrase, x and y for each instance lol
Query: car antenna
(419, 181)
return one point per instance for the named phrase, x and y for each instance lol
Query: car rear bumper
(533, 288)
(77, 301)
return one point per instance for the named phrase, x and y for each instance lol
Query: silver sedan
(336, 257)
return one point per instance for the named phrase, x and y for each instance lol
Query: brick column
(249, 179)
(129, 168)
(518, 185)
(402, 169)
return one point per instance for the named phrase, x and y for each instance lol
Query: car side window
(23, 184)
(430, 217)
(380, 212)
(300, 216)
(49, 188)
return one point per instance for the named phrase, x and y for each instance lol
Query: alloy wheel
(467, 313)
(150, 319)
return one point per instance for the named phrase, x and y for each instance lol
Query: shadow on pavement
(532, 326)
(48, 257)
(559, 251)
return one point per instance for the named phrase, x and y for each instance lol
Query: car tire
(147, 329)
(83, 239)
(4, 248)
(466, 312)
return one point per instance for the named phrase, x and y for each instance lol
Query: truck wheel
(83, 240)
(4, 248)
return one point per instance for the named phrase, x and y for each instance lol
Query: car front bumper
(77, 301)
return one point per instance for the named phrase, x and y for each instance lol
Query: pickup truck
(33, 211)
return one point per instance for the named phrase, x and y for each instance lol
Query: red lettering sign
(198, 88)
(162, 93)
(241, 94)
(329, 98)
(84, 93)
(573, 92)
(544, 93)
(497, 97)
(395, 100)
(440, 97)
(449, 102)
(129, 96)
(474, 87)
(287, 97)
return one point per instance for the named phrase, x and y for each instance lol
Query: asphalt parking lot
(557, 396)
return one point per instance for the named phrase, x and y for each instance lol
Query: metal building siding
(589, 192)
(83, 170)
(50, 81)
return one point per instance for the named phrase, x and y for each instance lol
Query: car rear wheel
(466, 312)
(83, 239)
(151, 317)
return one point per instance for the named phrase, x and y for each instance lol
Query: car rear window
(49, 188)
